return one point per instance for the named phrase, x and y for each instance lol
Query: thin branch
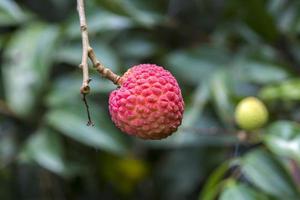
(105, 72)
(212, 131)
(88, 52)
(85, 88)
(90, 122)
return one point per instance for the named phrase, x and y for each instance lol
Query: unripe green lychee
(251, 114)
(148, 104)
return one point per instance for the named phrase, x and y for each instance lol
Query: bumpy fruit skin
(148, 103)
(251, 114)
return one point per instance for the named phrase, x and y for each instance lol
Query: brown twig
(208, 131)
(105, 72)
(85, 89)
(88, 52)
(90, 122)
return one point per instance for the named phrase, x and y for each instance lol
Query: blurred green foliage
(220, 52)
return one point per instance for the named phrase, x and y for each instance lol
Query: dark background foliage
(220, 52)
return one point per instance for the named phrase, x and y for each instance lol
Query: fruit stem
(105, 72)
(88, 53)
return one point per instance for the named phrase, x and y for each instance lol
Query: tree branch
(105, 72)
(88, 52)
(85, 88)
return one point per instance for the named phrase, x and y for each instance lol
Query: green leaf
(28, 58)
(283, 139)
(289, 90)
(255, 15)
(270, 93)
(128, 8)
(286, 90)
(72, 54)
(193, 138)
(45, 148)
(99, 22)
(239, 191)
(213, 184)
(66, 89)
(181, 169)
(8, 147)
(287, 130)
(118, 6)
(10, 13)
(200, 99)
(137, 47)
(221, 96)
(258, 72)
(266, 173)
(196, 64)
(74, 126)
(286, 15)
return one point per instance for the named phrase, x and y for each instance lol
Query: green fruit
(251, 114)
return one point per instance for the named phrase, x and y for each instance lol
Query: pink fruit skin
(148, 103)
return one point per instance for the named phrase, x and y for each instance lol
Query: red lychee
(148, 103)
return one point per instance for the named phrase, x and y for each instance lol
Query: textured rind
(251, 114)
(148, 104)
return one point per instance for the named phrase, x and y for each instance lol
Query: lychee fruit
(148, 104)
(251, 114)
